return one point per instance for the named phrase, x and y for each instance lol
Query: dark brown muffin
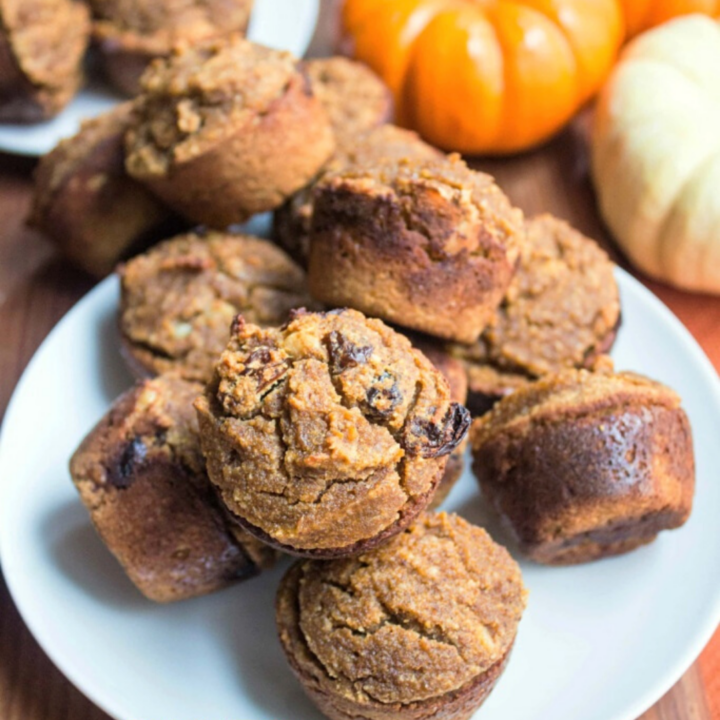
(329, 435)
(428, 244)
(562, 310)
(381, 144)
(584, 465)
(226, 129)
(180, 298)
(132, 33)
(142, 477)
(355, 98)
(454, 372)
(88, 205)
(42, 44)
(419, 628)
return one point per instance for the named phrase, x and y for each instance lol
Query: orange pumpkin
(643, 14)
(486, 76)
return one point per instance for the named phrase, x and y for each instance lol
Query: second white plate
(282, 24)
(598, 642)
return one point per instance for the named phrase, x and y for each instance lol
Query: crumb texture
(412, 621)
(328, 431)
(180, 298)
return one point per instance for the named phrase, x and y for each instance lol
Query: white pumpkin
(656, 153)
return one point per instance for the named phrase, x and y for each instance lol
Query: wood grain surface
(37, 288)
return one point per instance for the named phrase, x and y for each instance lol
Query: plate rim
(113, 707)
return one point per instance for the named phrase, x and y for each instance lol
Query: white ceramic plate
(282, 24)
(598, 642)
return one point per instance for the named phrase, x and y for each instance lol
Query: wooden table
(37, 287)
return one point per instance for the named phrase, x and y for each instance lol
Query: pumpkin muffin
(226, 129)
(132, 33)
(421, 627)
(562, 310)
(88, 205)
(355, 98)
(179, 299)
(141, 475)
(454, 372)
(381, 144)
(585, 465)
(326, 436)
(42, 45)
(428, 244)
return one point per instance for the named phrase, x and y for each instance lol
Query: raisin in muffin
(131, 33)
(456, 376)
(141, 475)
(355, 98)
(42, 45)
(326, 436)
(562, 310)
(226, 129)
(88, 205)
(584, 465)
(381, 144)
(179, 299)
(428, 244)
(421, 627)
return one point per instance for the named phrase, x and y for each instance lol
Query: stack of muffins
(307, 397)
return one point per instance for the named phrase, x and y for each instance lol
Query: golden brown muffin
(381, 144)
(88, 205)
(180, 298)
(419, 628)
(562, 310)
(326, 436)
(42, 44)
(585, 465)
(454, 372)
(132, 33)
(226, 129)
(355, 98)
(142, 477)
(428, 244)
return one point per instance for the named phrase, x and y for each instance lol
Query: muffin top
(561, 310)
(201, 94)
(355, 98)
(449, 208)
(415, 619)
(323, 432)
(180, 298)
(164, 22)
(567, 395)
(47, 39)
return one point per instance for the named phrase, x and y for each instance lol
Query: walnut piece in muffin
(421, 627)
(328, 435)
(179, 299)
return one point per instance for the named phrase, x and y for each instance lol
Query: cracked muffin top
(327, 433)
(162, 23)
(355, 98)
(201, 95)
(443, 201)
(562, 308)
(180, 298)
(417, 618)
(42, 44)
